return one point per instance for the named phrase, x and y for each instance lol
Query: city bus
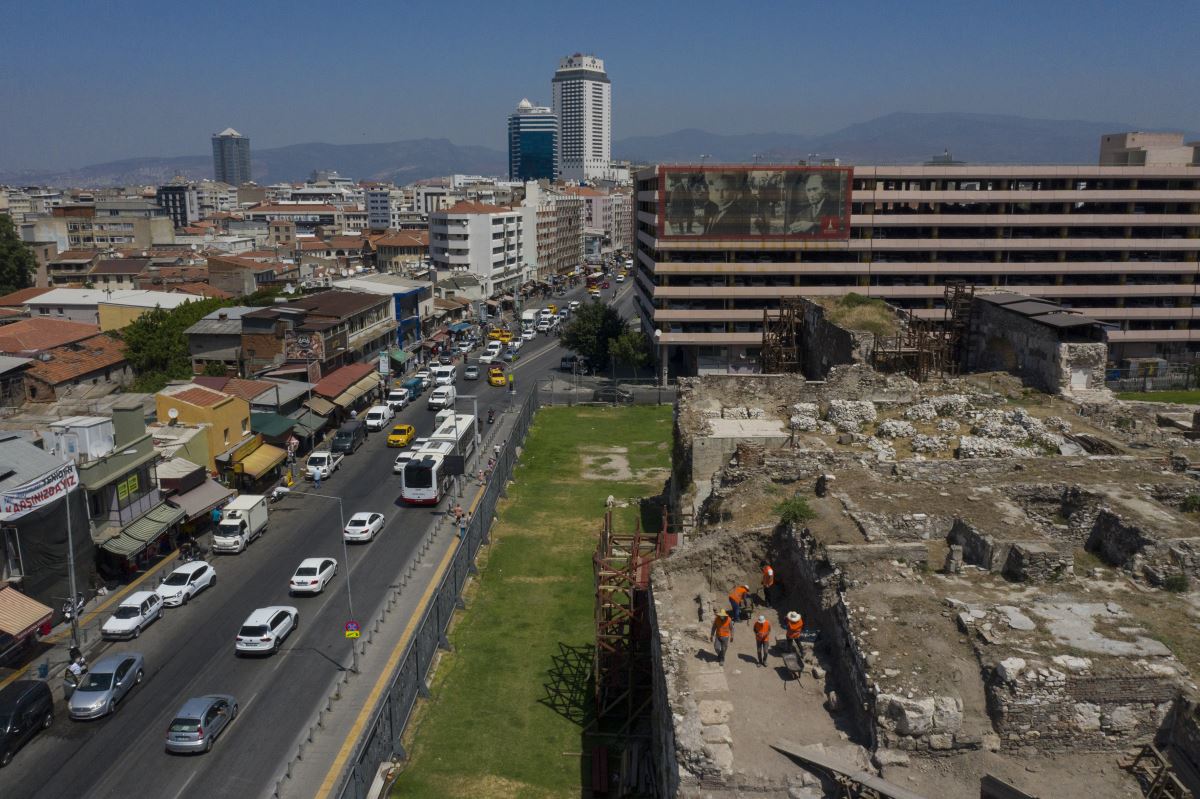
(424, 479)
(459, 431)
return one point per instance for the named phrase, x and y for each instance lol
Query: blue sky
(83, 81)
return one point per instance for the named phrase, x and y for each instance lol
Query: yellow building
(226, 417)
(119, 308)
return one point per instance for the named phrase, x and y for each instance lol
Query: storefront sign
(127, 488)
(16, 502)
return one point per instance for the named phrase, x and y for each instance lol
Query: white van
(397, 398)
(442, 397)
(444, 375)
(378, 416)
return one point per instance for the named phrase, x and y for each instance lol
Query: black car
(567, 364)
(613, 394)
(26, 707)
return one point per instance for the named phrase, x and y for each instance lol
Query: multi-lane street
(190, 651)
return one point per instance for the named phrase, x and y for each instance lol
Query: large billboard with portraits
(754, 202)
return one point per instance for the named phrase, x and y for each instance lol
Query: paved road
(190, 652)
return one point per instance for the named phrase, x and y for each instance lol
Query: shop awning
(459, 327)
(135, 537)
(320, 406)
(20, 615)
(400, 356)
(491, 303)
(261, 460)
(356, 391)
(309, 423)
(202, 499)
(270, 424)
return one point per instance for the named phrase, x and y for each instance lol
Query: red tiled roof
(583, 191)
(465, 207)
(19, 296)
(246, 389)
(73, 361)
(339, 380)
(35, 335)
(402, 239)
(120, 266)
(211, 381)
(74, 255)
(201, 290)
(312, 244)
(345, 242)
(196, 395)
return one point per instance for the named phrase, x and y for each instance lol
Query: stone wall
(1183, 732)
(824, 345)
(662, 724)
(1023, 561)
(1117, 541)
(1069, 706)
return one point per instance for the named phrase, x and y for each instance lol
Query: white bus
(459, 430)
(423, 480)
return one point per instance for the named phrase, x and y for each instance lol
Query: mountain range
(891, 139)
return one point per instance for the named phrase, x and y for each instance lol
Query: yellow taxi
(501, 335)
(401, 435)
(552, 308)
(595, 293)
(496, 377)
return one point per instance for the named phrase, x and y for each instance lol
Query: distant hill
(399, 161)
(900, 138)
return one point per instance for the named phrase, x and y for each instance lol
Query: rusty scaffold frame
(781, 337)
(925, 348)
(621, 667)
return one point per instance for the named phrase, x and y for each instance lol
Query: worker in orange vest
(722, 634)
(795, 626)
(762, 638)
(768, 582)
(736, 598)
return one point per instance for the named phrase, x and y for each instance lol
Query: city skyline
(1068, 61)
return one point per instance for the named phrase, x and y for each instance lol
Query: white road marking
(186, 783)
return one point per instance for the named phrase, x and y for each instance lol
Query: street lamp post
(346, 559)
(662, 359)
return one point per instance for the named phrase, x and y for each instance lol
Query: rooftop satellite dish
(173, 414)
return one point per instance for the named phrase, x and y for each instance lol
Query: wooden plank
(992, 788)
(866, 780)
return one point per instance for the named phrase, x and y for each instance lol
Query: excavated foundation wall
(1127, 546)
(662, 726)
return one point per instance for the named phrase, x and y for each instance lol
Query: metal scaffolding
(781, 337)
(926, 348)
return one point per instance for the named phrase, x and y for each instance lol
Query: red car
(604, 285)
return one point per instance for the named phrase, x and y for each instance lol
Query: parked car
(471, 372)
(312, 575)
(322, 462)
(612, 394)
(137, 612)
(378, 417)
(401, 434)
(425, 377)
(363, 526)
(26, 707)
(199, 722)
(185, 582)
(349, 437)
(107, 682)
(265, 629)
(567, 363)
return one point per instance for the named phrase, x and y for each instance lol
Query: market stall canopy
(199, 501)
(261, 460)
(320, 406)
(459, 327)
(356, 391)
(19, 615)
(308, 423)
(137, 536)
(399, 355)
(270, 424)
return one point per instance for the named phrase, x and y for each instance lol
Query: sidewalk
(329, 742)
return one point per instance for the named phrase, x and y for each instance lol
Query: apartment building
(488, 241)
(556, 216)
(90, 226)
(716, 245)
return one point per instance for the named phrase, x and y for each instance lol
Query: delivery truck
(242, 520)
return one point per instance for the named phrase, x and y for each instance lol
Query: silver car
(108, 681)
(199, 722)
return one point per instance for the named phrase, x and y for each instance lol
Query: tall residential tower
(532, 143)
(231, 157)
(583, 105)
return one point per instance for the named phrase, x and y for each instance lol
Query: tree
(17, 264)
(795, 510)
(214, 369)
(631, 348)
(156, 345)
(591, 332)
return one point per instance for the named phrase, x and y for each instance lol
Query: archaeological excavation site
(996, 570)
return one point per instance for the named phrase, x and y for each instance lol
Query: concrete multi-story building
(74, 227)
(1118, 243)
(606, 216)
(488, 241)
(382, 203)
(231, 157)
(555, 215)
(180, 201)
(215, 197)
(583, 105)
(532, 143)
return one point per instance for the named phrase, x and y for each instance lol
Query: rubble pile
(895, 428)
(849, 416)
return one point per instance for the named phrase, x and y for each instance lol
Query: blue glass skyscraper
(532, 143)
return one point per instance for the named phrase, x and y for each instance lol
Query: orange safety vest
(794, 628)
(762, 631)
(738, 594)
(768, 578)
(723, 626)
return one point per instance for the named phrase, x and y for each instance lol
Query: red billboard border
(663, 169)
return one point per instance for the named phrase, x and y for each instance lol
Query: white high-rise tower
(583, 105)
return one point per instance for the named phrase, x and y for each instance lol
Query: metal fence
(383, 738)
(568, 389)
(1169, 377)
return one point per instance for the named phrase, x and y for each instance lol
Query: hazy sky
(83, 81)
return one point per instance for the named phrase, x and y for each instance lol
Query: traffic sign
(352, 629)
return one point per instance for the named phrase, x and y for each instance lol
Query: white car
(363, 526)
(465, 347)
(543, 326)
(185, 582)
(133, 615)
(264, 629)
(620, 278)
(322, 462)
(425, 377)
(312, 575)
(574, 305)
(378, 417)
(407, 455)
(528, 334)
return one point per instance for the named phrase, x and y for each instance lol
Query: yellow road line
(62, 635)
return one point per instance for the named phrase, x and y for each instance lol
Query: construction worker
(795, 627)
(762, 638)
(768, 582)
(736, 598)
(722, 634)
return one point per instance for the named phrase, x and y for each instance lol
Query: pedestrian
(722, 634)
(458, 512)
(317, 478)
(736, 597)
(482, 481)
(496, 451)
(768, 582)
(462, 526)
(795, 627)
(762, 638)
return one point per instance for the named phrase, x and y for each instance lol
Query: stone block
(1087, 716)
(721, 756)
(1009, 669)
(1122, 718)
(909, 716)
(941, 742)
(716, 734)
(947, 714)
(889, 757)
(715, 711)
(711, 681)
